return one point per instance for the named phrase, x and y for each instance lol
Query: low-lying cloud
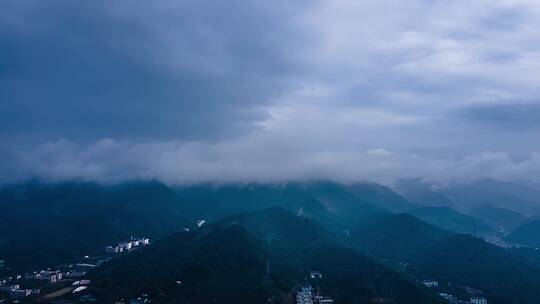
(252, 159)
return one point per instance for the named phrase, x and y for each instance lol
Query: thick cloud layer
(245, 90)
(92, 69)
(254, 159)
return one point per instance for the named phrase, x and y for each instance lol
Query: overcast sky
(239, 90)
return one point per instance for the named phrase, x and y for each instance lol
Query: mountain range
(260, 239)
(250, 258)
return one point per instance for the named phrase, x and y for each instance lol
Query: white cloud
(255, 159)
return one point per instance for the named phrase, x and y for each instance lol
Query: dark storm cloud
(182, 69)
(189, 91)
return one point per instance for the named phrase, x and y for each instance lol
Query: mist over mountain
(476, 194)
(269, 152)
(250, 242)
(90, 215)
(87, 216)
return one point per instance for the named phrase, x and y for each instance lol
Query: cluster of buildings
(478, 300)
(304, 295)
(127, 246)
(50, 276)
(15, 291)
(309, 295)
(475, 294)
(57, 278)
(452, 299)
(11, 286)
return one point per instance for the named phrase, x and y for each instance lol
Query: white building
(478, 300)
(126, 246)
(144, 241)
(430, 283)
(304, 296)
(112, 249)
(50, 276)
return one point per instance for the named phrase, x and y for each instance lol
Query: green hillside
(43, 224)
(397, 236)
(249, 258)
(469, 261)
(452, 220)
(528, 234)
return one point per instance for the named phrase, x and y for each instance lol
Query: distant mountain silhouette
(347, 231)
(422, 193)
(80, 218)
(214, 201)
(470, 197)
(452, 220)
(504, 220)
(315, 199)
